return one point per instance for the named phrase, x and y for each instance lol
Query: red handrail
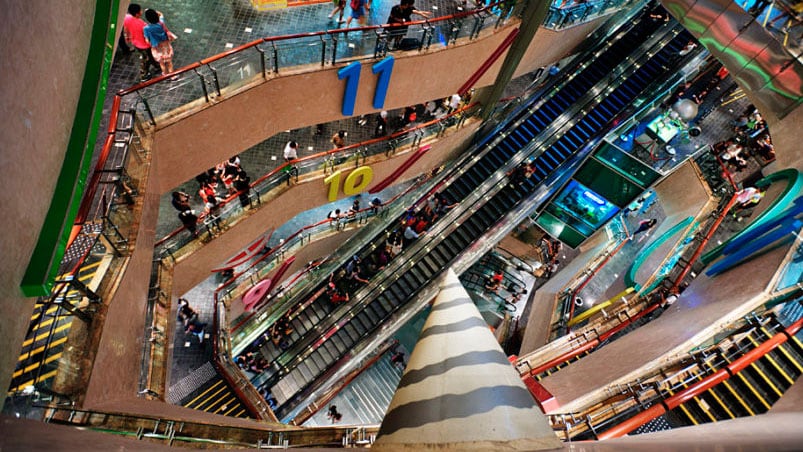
(275, 280)
(400, 170)
(318, 155)
(271, 39)
(704, 242)
(92, 186)
(727, 173)
(703, 385)
(588, 279)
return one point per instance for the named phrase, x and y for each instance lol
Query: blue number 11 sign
(352, 75)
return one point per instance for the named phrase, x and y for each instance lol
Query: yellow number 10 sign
(355, 182)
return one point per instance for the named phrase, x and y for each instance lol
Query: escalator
(553, 132)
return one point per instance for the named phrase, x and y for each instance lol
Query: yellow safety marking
(751, 388)
(236, 405)
(721, 403)
(701, 403)
(41, 348)
(226, 402)
(59, 329)
(33, 366)
(210, 398)
(86, 267)
(772, 361)
(792, 360)
(766, 379)
(732, 100)
(796, 341)
(716, 397)
(767, 17)
(36, 315)
(782, 349)
(733, 392)
(598, 307)
(682, 406)
(739, 398)
(203, 393)
(241, 412)
(44, 377)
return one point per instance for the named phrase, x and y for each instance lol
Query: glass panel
(607, 183)
(630, 166)
(559, 230)
(581, 208)
(793, 271)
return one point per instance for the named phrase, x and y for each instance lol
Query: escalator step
(370, 318)
(384, 301)
(324, 356)
(361, 324)
(534, 124)
(352, 332)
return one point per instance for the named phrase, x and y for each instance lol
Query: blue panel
(384, 68)
(352, 75)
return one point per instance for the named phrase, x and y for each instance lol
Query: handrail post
(334, 49)
(275, 57)
(147, 108)
(203, 84)
(262, 61)
(323, 51)
(216, 80)
(427, 36)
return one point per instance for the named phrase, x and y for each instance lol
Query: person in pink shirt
(134, 36)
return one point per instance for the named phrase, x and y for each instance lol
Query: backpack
(355, 4)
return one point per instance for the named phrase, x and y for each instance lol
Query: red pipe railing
(588, 279)
(726, 173)
(273, 39)
(703, 385)
(593, 343)
(385, 183)
(699, 251)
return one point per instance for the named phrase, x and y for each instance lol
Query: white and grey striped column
(459, 390)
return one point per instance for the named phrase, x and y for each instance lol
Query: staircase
(366, 399)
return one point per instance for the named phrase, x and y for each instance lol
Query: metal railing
(577, 13)
(630, 405)
(101, 220)
(278, 180)
(255, 62)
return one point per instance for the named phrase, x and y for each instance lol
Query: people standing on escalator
(494, 282)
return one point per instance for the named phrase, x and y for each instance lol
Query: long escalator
(552, 132)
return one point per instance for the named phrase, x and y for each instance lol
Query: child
(159, 37)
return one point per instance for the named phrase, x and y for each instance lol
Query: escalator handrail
(452, 217)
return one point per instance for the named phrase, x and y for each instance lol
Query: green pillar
(532, 18)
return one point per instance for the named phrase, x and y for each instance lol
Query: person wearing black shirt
(399, 16)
